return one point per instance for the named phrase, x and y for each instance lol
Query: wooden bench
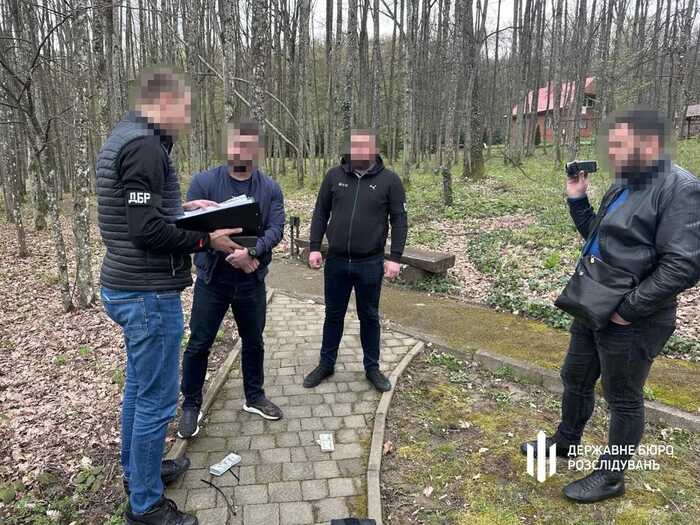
(419, 263)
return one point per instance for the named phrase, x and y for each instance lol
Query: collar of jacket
(165, 138)
(376, 168)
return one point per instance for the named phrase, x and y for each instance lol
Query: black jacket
(138, 200)
(654, 235)
(360, 209)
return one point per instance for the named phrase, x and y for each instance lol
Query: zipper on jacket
(172, 265)
(352, 215)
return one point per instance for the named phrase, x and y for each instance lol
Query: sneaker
(562, 450)
(170, 471)
(317, 375)
(265, 408)
(597, 486)
(164, 513)
(379, 380)
(189, 423)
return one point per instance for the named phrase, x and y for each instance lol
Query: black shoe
(562, 450)
(317, 375)
(170, 471)
(379, 380)
(597, 486)
(164, 513)
(189, 423)
(265, 408)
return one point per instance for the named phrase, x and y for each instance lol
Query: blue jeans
(340, 277)
(247, 301)
(153, 325)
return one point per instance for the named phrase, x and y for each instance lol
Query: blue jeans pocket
(128, 310)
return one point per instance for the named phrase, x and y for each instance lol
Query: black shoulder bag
(596, 289)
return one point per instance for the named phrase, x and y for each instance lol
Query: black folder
(245, 215)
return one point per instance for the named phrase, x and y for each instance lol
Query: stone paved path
(285, 479)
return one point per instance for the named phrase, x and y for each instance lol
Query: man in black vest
(146, 266)
(648, 225)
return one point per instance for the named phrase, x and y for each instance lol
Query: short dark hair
(154, 83)
(644, 122)
(247, 127)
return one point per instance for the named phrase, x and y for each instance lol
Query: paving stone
(297, 471)
(200, 499)
(268, 473)
(331, 508)
(265, 514)
(275, 455)
(341, 487)
(326, 469)
(250, 494)
(296, 513)
(314, 489)
(285, 491)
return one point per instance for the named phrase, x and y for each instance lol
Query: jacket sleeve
(398, 219)
(582, 213)
(274, 229)
(143, 177)
(322, 212)
(678, 247)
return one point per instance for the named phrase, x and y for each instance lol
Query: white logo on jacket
(343, 184)
(372, 187)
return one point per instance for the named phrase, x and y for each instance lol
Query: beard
(240, 166)
(360, 164)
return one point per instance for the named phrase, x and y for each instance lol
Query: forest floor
(453, 435)
(513, 238)
(61, 378)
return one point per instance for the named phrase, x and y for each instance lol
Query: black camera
(573, 167)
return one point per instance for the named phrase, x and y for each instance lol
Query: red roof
(545, 96)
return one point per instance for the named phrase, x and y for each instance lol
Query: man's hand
(198, 204)
(617, 319)
(242, 260)
(577, 185)
(220, 240)
(391, 269)
(315, 260)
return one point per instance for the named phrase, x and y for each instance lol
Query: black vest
(126, 267)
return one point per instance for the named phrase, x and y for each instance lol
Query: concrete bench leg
(413, 275)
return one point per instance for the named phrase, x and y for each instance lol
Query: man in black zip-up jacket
(146, 266)
(356, 203)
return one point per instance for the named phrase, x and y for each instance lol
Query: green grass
(469, 454)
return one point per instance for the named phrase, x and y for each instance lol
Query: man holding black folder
(235, 281)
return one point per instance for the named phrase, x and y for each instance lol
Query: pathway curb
(374, 464)
(655, 411)
(180, 446)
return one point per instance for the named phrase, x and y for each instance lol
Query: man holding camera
(360, 198)
(648, 226)
(146, 266)
(235, 281)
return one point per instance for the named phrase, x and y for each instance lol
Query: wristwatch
(253, 252)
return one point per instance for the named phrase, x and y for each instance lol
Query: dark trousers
(340, 277)
(621, 356)
(247, 301)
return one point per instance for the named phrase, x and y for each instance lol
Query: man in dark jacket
(146, 266)
(235, 281)
(649, 225)
(360, 197)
